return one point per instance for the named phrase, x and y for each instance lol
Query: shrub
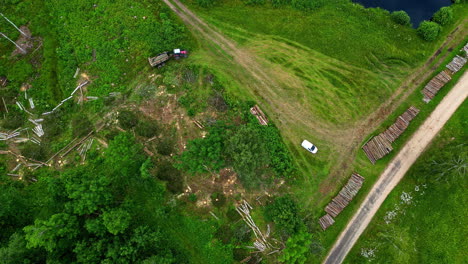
(165, 146)
(401, 17)
(206, 3)
(175, 181)
(444, 16)
(307, 4)
(127, 119)
(192, 197)
(147, 129)
(13, 119)
(218, 199)
(81, 125)
(429, 30)
(285, 214)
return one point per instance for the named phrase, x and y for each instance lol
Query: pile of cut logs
(377, 148)
(465, 48)
(344, 197)
(326, 221)
(258, 113)
(456, 64)
(380, 145)
(400, 125)
(435, 84)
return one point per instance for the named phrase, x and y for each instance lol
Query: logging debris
(3, 81)
(345, 196)
(261, 243)
(380, 145)
(258, 113)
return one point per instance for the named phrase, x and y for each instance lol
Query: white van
(309, 146)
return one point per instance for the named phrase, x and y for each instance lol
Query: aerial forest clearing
(113, 149)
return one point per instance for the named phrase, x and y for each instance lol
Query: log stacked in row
(345, 196)
(402, 122)
(377, 148)
(465, 48)
(258, 113)
(326, 221)
(456, 64)
(381, 145)
(435, 84)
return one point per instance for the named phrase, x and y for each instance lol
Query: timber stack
(345, 196)
(258, 113)
(435, 84)
(380, 145)
(456, 64)
(402, 122)
(326, 221)
(377, 148)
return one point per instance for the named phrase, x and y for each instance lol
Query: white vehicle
(309, 146)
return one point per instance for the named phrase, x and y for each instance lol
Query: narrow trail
(397, 169)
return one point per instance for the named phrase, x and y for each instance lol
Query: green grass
(432, 228)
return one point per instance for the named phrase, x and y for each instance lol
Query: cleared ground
(397, 169)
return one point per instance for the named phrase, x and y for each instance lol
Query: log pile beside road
(326, 221)
(258, 113)
(435, 84)
(345, 196)
(380, 145)
(456, 64)
(400, 125)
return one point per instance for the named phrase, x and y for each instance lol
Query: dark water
(418, 10)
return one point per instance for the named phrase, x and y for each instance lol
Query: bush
(127, 119)
(444, 16)
(218, 199)
(429, 30)
(165, 146)
(192, 197)
(147, 129)
(285, 214)
(307, 4)
(81, 125)
(13, 119)
(173, 177)
(206, 3)
(401, 17)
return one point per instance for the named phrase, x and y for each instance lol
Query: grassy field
(428, 225)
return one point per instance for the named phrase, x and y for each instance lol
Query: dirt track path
(397, 169)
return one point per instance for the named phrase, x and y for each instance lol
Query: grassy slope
(431, 229)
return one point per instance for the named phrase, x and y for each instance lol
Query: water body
(418, 10)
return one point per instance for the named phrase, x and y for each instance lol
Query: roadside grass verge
(371, 172)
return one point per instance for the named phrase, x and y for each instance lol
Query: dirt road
(397, 169)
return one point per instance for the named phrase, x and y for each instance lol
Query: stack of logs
(456, 64)
(344, 197)
(435, 84)
(258, 113)
(380, 145)
(400, 125)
